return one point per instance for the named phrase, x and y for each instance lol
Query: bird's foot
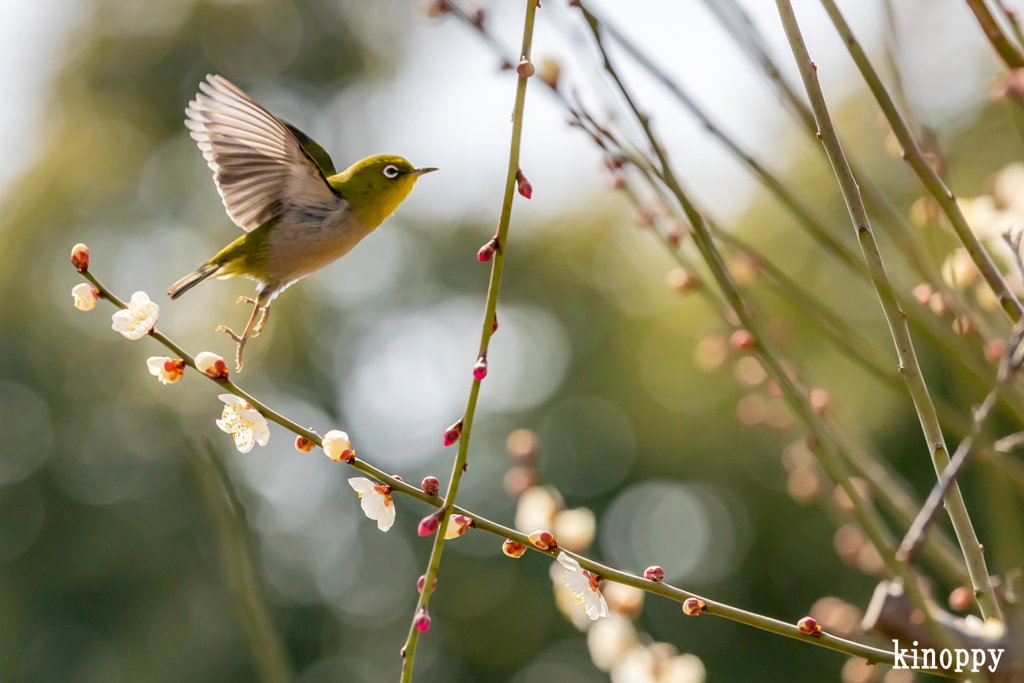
(264, 313)
(240, 341)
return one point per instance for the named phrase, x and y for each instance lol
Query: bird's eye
(391, 172)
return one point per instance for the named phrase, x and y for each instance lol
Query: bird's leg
(245, 335)
(261, 322)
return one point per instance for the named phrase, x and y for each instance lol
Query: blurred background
(667, 444)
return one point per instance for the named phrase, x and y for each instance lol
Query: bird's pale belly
(309, 239)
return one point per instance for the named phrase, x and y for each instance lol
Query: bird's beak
(422, 170)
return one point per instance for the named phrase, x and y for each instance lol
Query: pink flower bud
(397, 478)
(431, 486)
(452, 434)
(513, 548)
(487, 251)
(423, 581)
(422, 621)
(212, 365)
(525, 68)
(429, 524)
(543, 540)
(743, 340)
(480, 369)
(654, 573)
(80, 257)
(524, 186)
(303, 445)
(693, 606)
(809, 626)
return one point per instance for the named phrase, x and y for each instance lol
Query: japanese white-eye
(280, 186)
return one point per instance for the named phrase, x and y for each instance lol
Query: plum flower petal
(85, 296)
(375, 499)
(138, 320)
(167, 370)
(243, 422)
(584, 587)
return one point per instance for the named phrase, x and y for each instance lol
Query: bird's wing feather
(258, 164)
(317, 153)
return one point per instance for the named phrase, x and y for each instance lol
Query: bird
(281, 188)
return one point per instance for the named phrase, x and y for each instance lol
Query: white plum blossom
(85, 296)
(243, 422)
(584, 587)
(167, 370)
(138, 320)
(375, 499)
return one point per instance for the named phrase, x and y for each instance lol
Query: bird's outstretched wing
(258, 163)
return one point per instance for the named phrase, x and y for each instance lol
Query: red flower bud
(80, 257)
(809, 626)
(423, 581)
(743, 340)
(654, 573)
(422, 620)
(430, 486)
(480, 369)
(429, 524)
(397, 478)
(487, 251)
(524, 186)
(543, 540)
(452, 434)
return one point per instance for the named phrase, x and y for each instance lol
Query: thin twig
(924, 170)
(483, 524)
(409, 649)
(895, 317)
(1012, 57)
(240, 569)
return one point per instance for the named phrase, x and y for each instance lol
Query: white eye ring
(391, 172)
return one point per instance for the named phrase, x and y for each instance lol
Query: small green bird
(281, 188)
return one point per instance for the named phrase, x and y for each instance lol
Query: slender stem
(483, 524)
(240, 569)
(409, 650)
(795, 395)
(895, 317)
(1004, 47)
(925, 172)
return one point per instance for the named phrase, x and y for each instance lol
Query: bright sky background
(449, 106)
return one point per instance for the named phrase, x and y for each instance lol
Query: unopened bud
(303, 445)
(938, 304)
(525, 68)
(743, 340)
(80, 257)
(820, 401)
(543, 540)
(337, 446)
(422, 620)
(431, 486)
(211, 365)
(423, 582)
(513, 548)
(480, 369)
(654, 573)
(487, 251)
(923, 293)
(961, 599)
(694, 606)
(809, 626)
(452, 434)
(429, 524)
(523, 185)
(681, 281)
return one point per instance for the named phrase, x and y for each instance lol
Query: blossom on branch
(243, 422)
(458, 525)
(167, 370)
(138, 320)
(375, 499)
(211, 365)
(338, 447)
(585, 587)
(85, 296)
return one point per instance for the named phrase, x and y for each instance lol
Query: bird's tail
(192, 279)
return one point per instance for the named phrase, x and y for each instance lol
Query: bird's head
(375, 186)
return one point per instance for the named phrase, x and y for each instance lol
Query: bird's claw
(240, 341)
